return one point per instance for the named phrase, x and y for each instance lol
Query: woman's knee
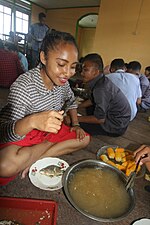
(7, 168)
(85, 141)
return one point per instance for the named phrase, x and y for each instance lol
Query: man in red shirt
(10, 67)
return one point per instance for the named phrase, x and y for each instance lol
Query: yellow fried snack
(110, 153)
(104, 158)
(123, 157)
(130, 169)
(125, 164)
(119, 150)
(130, 164)
(118, 157)
(111, 163)
(121, 167)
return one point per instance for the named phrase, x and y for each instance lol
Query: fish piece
(51, 171)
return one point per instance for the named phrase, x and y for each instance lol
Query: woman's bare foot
(24, 172)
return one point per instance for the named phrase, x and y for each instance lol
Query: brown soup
(100, 192)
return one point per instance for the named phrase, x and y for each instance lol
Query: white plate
(142, 222)
(42, 181)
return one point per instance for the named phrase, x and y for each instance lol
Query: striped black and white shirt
(28, 95)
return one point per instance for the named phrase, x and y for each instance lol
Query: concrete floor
(137, 134)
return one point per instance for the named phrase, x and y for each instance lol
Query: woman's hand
(49, 121)
(79, 131)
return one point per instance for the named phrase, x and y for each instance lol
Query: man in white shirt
(135, 68)
(128, 83)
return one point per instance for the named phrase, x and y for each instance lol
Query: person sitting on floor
(147, 72)
(134, 67)
(110, 114)
(10, 67)
(31, 124)
(128, 84)
(23, 60)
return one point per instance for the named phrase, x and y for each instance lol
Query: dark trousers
(96, 129)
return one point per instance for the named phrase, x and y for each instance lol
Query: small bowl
(90, 163)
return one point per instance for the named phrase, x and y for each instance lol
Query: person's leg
(93, 129)
(66, 147)
(90, 110)
(14, 159)
(96, 129)
(63, 148)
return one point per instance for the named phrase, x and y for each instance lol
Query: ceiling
(60, 4)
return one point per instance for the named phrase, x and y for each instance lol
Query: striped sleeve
(70, 98)
(16, 108)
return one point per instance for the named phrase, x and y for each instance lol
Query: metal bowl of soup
(97, 190)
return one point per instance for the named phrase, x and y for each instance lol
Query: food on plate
(118, 156)
(51, 171)
(9, 222)
(111, 153)
(121, 159)
(104, 158)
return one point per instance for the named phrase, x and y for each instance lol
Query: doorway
(85, 33)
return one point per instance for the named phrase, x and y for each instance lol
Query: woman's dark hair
(53, 38)
(94, 58)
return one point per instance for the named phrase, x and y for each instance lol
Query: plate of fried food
(46, 173)
(121, 158)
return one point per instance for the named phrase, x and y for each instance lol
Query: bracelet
(76, 125)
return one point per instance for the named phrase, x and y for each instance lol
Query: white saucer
(142, 222)
(42, 181)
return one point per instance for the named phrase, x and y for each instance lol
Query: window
(5, 18)
(22, 21)
(14, 16)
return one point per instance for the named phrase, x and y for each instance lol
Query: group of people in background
(32, 122)
(12, 60)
